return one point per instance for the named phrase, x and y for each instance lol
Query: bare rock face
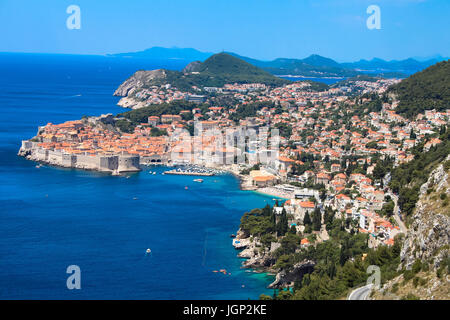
(428, 236)
(192, 67)
(139, 79)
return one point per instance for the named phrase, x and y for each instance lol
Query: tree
(282, 225)
(306, 219)
(317, 219)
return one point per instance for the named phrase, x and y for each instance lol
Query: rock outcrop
(428, 236)
(192, 67)
(138, 80)
(286, 278)
(427, 241)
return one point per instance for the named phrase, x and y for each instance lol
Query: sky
(264, 29)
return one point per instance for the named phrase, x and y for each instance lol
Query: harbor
(194, 171)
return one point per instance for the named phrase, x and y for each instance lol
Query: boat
(185, 188)
(198, 180)
(38, 166)
(148, 251)
(232, 235)
(154, 173)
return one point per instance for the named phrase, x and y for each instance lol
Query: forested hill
(215, 71)
(224, 68)
(425, 90)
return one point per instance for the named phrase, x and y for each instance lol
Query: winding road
(360, 293)
(397, 218)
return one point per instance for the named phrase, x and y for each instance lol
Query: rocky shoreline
(262, 262)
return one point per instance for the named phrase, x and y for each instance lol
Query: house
(153, 120)
(304, 207)
(341, 201)
(167, 118)
(261, 178)
(285, 163)
(322, 178)
(335, 167)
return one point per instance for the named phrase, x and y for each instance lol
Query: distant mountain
(319, 61)
(312, 66)
(425, 90)
(188, 54)
(407, 66)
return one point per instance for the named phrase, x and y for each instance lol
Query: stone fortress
(106, 163)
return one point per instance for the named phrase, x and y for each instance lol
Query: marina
(194, 171)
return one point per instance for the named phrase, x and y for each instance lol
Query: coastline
(268, 191)
(32, 154)
(249, 261)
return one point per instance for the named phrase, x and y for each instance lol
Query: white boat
(154, 173)
(148, 251)
(198, 180)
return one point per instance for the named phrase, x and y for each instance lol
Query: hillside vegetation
(408, 177)
(223, 68)
(425, 90)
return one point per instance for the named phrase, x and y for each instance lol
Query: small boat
(135, 198)
(215, 271)
(186, 188)
(232, 235)
(154, 173)
(148, 251)
(198, 180)
(38, 166)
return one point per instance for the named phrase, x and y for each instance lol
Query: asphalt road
(397, 218)
(360, 293)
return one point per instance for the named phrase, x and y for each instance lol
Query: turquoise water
(51, 218)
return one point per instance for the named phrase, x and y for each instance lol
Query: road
(397, 218)
(360, 293)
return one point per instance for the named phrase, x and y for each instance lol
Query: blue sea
(51, 218)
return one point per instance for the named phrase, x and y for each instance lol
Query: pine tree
(317, 219)
(306, 219)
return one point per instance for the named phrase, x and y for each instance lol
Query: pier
(190, 173)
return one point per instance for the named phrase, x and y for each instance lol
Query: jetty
(190, 173)
(194, 170)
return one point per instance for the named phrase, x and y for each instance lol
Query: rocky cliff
(138, 80)
(429, 233)
(424, 257)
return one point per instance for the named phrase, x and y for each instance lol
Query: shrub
(422, 282)
(410, 296)
(417, 266)
(395, 288)
(408, 275)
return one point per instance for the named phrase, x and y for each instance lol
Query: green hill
(223, 68)
(425, 90)
(215, 71)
